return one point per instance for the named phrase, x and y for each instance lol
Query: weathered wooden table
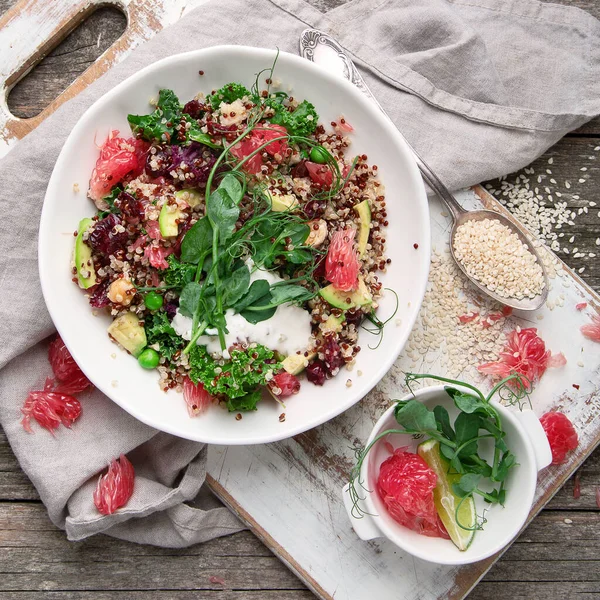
(557, 557)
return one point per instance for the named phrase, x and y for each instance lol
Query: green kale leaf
(245, 403)
(159, 331)
(195, 134)
(229, 93)
(236, 379)
(303, 121)
(179, 274)
(159, 125)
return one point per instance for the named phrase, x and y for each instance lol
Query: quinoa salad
(236, 245)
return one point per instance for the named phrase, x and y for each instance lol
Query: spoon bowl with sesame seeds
(492, 252)
(497, 257)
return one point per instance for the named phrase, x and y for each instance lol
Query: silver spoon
(322, 49)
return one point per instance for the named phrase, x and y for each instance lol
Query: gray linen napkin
(480, 88)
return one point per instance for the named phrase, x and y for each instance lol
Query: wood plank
(35, 556)
(519, 590)
(219, 593)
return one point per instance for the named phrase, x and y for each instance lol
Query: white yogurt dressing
(287, 331)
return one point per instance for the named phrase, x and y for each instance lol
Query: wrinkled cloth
(480, 88)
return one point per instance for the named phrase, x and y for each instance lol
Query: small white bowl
(525, 437)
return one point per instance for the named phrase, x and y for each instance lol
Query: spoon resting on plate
(322, 49)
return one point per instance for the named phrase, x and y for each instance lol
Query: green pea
(319, 155)
(153, 300)
(149, 358)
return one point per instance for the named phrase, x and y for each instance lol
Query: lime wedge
(445, 499)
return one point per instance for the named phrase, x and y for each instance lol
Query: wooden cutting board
(290, 492)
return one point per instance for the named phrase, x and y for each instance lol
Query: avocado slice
(333, 324)
(281, 203)
(345, 300)
(364, 212)
(294, 364)
(86, 274)
(168, 220)
(129, 332)
(191, 196)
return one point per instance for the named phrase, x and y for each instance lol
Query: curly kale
(245, 403)
(179, 274)
(302, 121)
(238, 379)
(228, 93)
(159, 331)
(159, 125)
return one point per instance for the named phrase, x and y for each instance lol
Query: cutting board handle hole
(58, 66)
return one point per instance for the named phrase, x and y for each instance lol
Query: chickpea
(121, 292)
(318, 233)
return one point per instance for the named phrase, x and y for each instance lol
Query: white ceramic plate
(137, 390)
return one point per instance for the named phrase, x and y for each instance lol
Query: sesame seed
(494, 255)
